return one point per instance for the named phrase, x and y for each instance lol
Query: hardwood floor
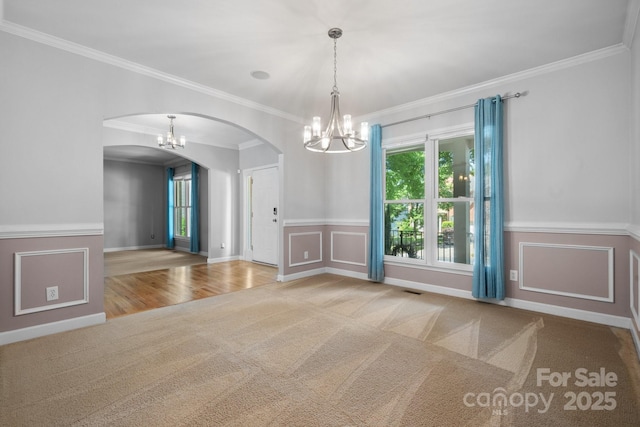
(132, 293)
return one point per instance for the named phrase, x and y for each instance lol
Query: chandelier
(170, 141)
(338, 136)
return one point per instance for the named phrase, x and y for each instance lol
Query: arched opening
(135, 182)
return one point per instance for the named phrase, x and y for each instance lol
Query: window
(182, 206)
(429, 203)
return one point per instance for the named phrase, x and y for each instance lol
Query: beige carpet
(138, 261)
(322, 351)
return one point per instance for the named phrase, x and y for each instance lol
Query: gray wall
(256, 156)
(134, 199)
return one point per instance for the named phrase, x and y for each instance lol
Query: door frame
(247, 175)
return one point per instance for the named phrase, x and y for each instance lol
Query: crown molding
(489, 84)
(631, 23)
(78, 49)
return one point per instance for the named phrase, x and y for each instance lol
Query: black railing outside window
(410, 244)
(405, 243)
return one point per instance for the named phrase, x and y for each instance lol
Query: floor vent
(413, 292)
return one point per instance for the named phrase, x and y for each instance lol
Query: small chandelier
(338, 137)
(171, 141)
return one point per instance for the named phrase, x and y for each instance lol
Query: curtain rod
(451, 110)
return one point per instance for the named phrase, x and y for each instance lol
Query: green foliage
(405, 175)
(447, 225)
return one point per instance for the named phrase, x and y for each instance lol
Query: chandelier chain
(335, 64)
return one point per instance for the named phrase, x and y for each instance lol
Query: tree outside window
(426, 218)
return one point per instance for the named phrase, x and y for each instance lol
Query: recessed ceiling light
(260, 75)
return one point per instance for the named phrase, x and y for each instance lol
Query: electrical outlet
(221, 245)
(513, 275)
(306, 254)
(52, 293)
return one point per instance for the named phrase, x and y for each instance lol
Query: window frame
(430, 143)
(179, 180)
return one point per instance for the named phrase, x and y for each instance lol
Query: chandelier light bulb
(348, 126)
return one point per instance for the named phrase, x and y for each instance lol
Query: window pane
(404, 230)
(187, 192)
(455, 168)
(456, 232)
(183, 222)
(405, 175)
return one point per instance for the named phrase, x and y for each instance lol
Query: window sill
(466, 270)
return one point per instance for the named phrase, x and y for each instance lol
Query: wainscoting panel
(305, 248)
(634, 285)
(349, 248)
(577, 271)
(35, 271)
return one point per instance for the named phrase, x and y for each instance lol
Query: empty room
(320, 213)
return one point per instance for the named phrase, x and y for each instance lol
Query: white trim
(609, 250)
(18, 310)
(349, 234)
(347, 222)
(347, 273)
(569, 228)
(50, 230)
(571, 313)
(51, 328)
(455, 268)
(316, 222)
(97, 55)
(303, 222)
(404, 141)
(634, 292)
(301, 275)
(634, 231)
(442, 290)
(610, 229)
(223, 259)
(631, 23)
(311, 261)
(490, 84)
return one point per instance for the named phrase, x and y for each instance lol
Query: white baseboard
(301, 275)
(51, 328)
(223, 259)
(572, 313)
(348, 273)
(428, 288)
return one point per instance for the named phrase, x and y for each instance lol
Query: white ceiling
(391, 52)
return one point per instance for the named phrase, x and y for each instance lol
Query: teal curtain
(488, 269)
(195, 215)
(376, 216)
(170, 210)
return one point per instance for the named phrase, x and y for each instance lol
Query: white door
(265, 214)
